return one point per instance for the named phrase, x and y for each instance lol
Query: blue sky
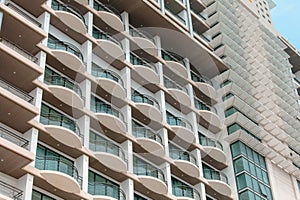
(286, 18)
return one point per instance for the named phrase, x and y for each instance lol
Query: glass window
(138, 197)
(181, 189)
(254, 163)
(240, 165)
(247, 195)
(230, 111)
(227, 96)
(99, 185)
(40, 196)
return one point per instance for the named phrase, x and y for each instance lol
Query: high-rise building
(147, 99)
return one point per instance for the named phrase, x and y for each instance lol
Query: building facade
(149, 99)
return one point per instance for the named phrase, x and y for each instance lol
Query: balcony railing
(136, 60)
(12, 137)
(108, 147)
(178, 121)
(22, 12)
(172, 84)
(143, 98)
(106, 73)
(203, 106)
(199, 78)
(205, 141)
(178, 154)
(108, 8)
(143, 132)
(181, 19)
(102, 107)
(56, 5)
(134, 32)
(106, 189)
(170, 56)
(18, 49)
(212, 174)
(186, 191)
(68, 47)
(61, 120)
(65, 82)
(10, 191)
(99, 34)
(16, 91)
(148, 170)
(59, 164)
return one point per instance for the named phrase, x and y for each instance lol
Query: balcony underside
(17, 69)
(146, 77)
(16, 112)
(69, 24)
(26, 34)
(13, 158)
(111, 161)
(148, 115)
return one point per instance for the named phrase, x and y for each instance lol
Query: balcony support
(82, 164)
(127, 147)
(26, 183)
(128, 188)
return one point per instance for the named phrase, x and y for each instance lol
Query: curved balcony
(180, 98)
(183, 129)
(149, 140)
(207, 116)
(205, 90)
(109, 16)
(62, 129)
(70, 16)
(175, 65)
(106, 191)
(186, 193)
(109, 81)
(110, 117)
(218, 181)
(143, 41)
(109, 154)
(59, 173)
(147, 106)
(68, 54)
(209, 120)
(108, 47)
(213, 152)
(153, 179)
(185, 161)
(66, 90)
(144, 71)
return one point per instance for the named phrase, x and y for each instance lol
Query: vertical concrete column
(125, 19)
(82, 165)
(84, 125)
(86, 84)
(128, 148)
(126, 76)
(162, 6)
(89, 22)
(200, 187)
(25, 183)
(128, 188)
(166, 168)
(189, 17)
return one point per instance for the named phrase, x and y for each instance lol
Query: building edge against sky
(152, 99)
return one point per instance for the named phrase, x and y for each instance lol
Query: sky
(286, 19)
